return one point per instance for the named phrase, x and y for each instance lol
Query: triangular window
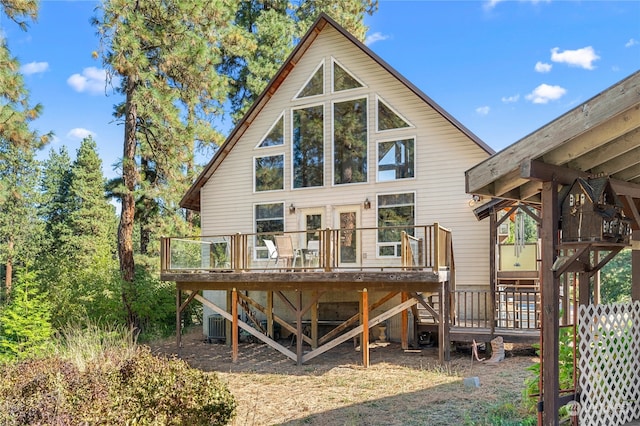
(343, 79)
(315, 85)
(275, 136)
(388, 119)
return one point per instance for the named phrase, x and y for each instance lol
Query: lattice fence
(609, 351)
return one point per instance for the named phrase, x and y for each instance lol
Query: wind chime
(519, 235)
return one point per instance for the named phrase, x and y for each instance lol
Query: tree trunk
(127, 215)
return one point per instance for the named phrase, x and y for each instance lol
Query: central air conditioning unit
(217, 329)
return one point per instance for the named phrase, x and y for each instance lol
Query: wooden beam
(598, 135)
(404, 324)
(357, 330)
(606, 152)
(299, 333)
(543, 172)
(631, 210)
(550, 307)
(226, 315)
(234, 326)
(635, 265)
(605, 106)
(618, 164)
(364, 339)
(178, 319)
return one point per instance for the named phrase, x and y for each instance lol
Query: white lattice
(609, 363)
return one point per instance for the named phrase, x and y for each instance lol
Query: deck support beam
(234, 326)
(550, 306)
(364, 340)
(635, 265)
(404, 324)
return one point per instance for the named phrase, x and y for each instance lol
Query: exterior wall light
(367, 204)
(292, 209)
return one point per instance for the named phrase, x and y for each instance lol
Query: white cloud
(34, 68)
(631, 42)
(511, 99)
(80, 133)
(583, 58)
(490, 4)
(545, 93)
(372, 38)
(483, 110)
(91, 81)
(543, 67)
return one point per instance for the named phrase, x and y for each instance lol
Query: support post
(584, 282)
(635, 265)
(178, 319)
(493, 276)
(299, 328)
(364, 340)
(446, 340)
(314, 321)
(234, 325)
(404, 324)
(270, 314)
(550, 306)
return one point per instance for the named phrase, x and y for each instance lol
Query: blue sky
(502, 68)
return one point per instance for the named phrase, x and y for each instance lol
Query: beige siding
(443, 153)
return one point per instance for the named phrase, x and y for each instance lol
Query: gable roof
(191, 199)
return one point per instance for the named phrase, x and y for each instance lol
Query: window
(388, 119)
(275, 136)
(396, 213)
(269, 173)
(343, 79)
(350, 141)
(396, 159)
(308, 147)
(315, 85)
(269, 219)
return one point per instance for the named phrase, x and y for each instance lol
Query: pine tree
(271, 29)
(25, 326)
(18, 144)
(166, 54)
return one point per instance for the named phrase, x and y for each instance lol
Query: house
(363, 174)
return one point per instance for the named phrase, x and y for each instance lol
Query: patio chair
(312, 255)
(272, 252)
(285, 250)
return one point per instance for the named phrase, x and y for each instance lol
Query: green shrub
(142, 390)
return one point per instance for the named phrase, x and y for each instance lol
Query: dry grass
(399, 388)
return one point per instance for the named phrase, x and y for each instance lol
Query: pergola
(601, 137)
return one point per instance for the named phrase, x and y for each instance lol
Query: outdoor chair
(272, 252)
(312, 254)
(286, 253)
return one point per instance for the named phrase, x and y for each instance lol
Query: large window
(396, 159)
(269, 173)
(350, 141)
(343, 79)
(269, 219)
(275, 136)
(388, 119)
(308, 147)
(396, 213)
(315, 85)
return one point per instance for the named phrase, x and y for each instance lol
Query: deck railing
(515, 308)
(394, 247)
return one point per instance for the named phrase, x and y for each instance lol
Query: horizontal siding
(443, 154)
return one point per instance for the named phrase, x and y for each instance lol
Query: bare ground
(399, 388)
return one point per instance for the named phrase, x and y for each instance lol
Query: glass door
(347, 219)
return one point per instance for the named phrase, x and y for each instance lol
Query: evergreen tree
(166, 53)
(25, 327)
(17, 146)
(55, 184)
(271, 29)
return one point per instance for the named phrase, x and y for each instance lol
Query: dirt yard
(399, 388)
